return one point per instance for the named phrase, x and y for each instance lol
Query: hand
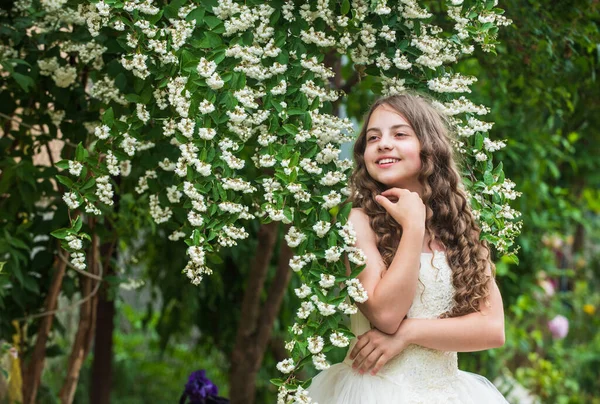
(408, 209)
(375, 348)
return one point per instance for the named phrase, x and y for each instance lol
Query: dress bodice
(433, 297)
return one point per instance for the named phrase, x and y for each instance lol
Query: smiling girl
(429, 278)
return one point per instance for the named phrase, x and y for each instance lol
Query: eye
(401, 134)
(371, 138)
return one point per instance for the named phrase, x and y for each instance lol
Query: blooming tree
(223, 111)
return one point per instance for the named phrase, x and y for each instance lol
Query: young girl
(429, 278)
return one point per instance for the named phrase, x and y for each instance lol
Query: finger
(362, 355)
(383, 201)
(370, 361)
(383, 359)
(359, 345)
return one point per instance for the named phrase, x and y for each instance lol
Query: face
(392, 152)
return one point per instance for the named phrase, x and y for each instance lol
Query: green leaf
(64, 164)
(24, 81)
(80, 154)
(77, 224)
(61, 233)
(210, 40)
(66, 181)
(478, 141)
(109, 117)
(291, 129)
(212, 22)
(345, 7)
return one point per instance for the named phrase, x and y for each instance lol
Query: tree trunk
(254, 330)
(86, 328)
(32, 373)
(103, 339)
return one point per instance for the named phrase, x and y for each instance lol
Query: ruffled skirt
(340, 384)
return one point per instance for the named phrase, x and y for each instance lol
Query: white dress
(418, 374)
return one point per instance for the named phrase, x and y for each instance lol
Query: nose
(385, 143)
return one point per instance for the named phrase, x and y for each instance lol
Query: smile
(387, 162)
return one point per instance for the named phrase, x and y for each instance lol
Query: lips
(387, 161)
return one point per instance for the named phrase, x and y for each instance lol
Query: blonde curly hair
(449, 216)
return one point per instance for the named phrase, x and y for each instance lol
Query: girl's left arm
(472, 332)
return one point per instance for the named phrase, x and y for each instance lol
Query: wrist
(416, 229)
(408, 332)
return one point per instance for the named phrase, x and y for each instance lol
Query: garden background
(148, 327)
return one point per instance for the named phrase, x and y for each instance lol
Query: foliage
(143, 372)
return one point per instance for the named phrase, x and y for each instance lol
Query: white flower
(297, 263)
(315, 344)
(332, 254)
(75, 168)
(215, 82)
(206, 68)
(330, 200)
(327, 281)
(324, 308)
(321, 228)
(286, 365)
(339, 339)
(303, 291)
(297, 329)
(74, 242)
(197, 255)
(348, 234)
(294, 237)
(206, 133)
(290, 345)
(356, 290)
(356, 255)
(206, 107)
(347, 308)
(78, 260)
(104, 190)
(64, 76)
(102, 132)
(305, 309)
(195, 219)
(320, 362)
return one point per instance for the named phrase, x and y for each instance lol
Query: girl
(429, 278)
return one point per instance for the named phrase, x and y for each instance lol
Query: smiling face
(392, 150)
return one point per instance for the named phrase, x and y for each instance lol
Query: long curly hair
(449, 217)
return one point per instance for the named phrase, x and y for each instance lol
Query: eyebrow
(393, 127)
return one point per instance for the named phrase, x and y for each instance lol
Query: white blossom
(315, 344)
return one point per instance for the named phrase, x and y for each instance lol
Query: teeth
(385, 161)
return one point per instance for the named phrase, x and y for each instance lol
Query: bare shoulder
(362, 225)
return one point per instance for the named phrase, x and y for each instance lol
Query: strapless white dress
(418, 374)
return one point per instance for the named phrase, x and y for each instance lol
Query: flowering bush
(222, 113)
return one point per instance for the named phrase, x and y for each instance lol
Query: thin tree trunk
(255, 327)
(33, 372)
(86, 328)
(103, 343)
(245, 351)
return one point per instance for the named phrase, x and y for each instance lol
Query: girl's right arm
(390, 291)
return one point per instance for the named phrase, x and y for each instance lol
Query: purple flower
(199, 388)
(559, 326)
